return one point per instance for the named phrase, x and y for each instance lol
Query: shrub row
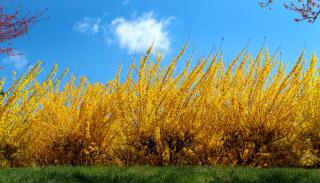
(251, 111)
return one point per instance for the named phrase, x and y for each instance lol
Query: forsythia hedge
(251, 111)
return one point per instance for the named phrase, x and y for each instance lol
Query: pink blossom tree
(308, 10)
(14, 24)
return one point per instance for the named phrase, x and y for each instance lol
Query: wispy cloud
(125, 2)
(88, 26)
(139, 33)
(18, 61)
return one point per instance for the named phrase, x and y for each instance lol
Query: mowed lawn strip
(157, 174)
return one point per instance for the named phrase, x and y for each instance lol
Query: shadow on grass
(276, 175)
(158, 174)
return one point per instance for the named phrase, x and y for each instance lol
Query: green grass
(158, 174)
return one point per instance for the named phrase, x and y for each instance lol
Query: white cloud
(87, 25)
(138, 34)
(18, 61)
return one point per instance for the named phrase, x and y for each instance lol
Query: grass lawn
(157, 174)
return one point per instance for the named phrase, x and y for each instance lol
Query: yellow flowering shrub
(251, 111)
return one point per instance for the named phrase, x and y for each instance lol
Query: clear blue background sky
(96, 34)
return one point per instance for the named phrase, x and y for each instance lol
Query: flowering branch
(309, 10)
(13, 25)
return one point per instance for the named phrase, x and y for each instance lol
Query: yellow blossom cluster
(252, 111)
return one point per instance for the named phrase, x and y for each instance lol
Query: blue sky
(93, 37)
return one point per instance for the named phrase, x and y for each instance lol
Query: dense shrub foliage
(251, 111)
